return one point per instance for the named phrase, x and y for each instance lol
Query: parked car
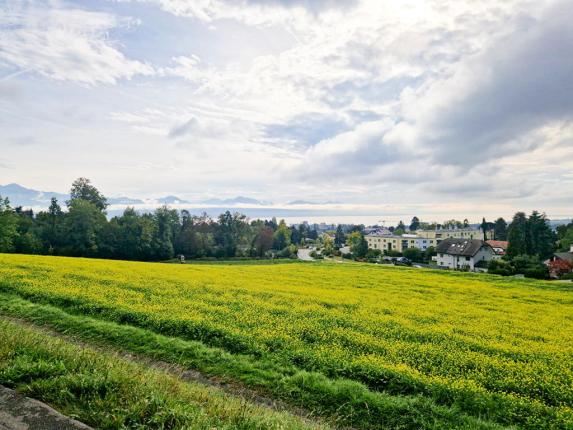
(402, 261)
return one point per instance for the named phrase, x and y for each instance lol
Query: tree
(414, 254)
(167, 226)
(539, 238)
(414, 224)
(83, 189)
(27, 240)
(565, 236)
(500, 229)
(282, 236)
(429, 253)
(230, 233)
(517, 235)
(327, 245)
(8, 226)
(339, 236)
(263, 241)
(83, 223)
(358, 245)
(484, 228)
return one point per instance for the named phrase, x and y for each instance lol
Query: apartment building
(423, 239)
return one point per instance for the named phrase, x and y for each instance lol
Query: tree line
(83, 230)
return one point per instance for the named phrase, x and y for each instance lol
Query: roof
(498, 243)
(464, 247)
(567, 256)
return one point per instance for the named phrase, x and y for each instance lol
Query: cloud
(494, 101)
(307, 129)
(64, 44)
(184, 129)
(251, 12)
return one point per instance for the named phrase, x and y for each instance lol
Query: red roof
(498, 244)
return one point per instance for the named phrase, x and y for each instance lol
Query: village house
(464, 254)
(564, 256)
(499, 247)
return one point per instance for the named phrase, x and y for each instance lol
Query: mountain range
(28, 197)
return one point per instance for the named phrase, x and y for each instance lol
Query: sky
(423, 107)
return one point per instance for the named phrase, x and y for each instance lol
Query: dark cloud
(183, 129)
(522, 83)
(306, 129)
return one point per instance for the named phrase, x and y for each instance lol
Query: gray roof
(464, 247)
(567, 256)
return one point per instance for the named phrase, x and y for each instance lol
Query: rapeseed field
(495, 351)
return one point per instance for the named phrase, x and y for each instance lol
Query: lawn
(361, 345)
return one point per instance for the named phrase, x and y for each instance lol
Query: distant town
(526, 245)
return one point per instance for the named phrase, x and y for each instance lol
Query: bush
(527, 265)
(414, 254)
(500, 267)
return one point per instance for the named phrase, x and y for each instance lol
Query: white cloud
(64, 44)
(374, 100)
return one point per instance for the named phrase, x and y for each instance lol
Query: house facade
(499, 247)
(423, 239)
(464, 254)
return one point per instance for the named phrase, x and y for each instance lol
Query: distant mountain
(124, 201)
(171, 200)
(306, 202)
(237, 200)
(22, 196)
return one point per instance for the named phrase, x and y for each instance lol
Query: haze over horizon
(425, 108)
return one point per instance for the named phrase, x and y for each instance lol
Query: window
(467, 258)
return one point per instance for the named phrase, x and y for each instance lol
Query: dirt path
(22, 413)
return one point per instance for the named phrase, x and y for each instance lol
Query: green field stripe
(347, 402)
(108, 392)
(264, 370)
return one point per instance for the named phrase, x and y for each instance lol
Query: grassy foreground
(107, 392)
(375, 347)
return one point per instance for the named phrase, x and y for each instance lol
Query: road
(304, 254)
(22, 413)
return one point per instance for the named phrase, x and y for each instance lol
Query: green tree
(167, 226)
(8, 226)
(339, 236)
(231, 232)
(517, 235)
(414, 254)
(82, 189)
(500, 229)
(540, 238)
(415, 224)
(282, 236)
(358, 244)
(565, 237)
(83, 223)
(484, 228)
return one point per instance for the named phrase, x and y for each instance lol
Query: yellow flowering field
(492, 347)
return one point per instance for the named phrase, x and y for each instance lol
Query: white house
(467, 254)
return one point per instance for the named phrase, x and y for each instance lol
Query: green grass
(107, 392)
(372, 347)
(340, 400)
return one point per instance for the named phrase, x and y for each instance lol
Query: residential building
(464, 254)
(456, 233)
(499, 247)
(565, 256)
